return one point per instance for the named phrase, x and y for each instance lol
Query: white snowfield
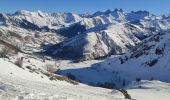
(19, 84)
(149, 90)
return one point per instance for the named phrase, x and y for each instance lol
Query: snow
(107, 32)
(149, 90)
(16, 83)
(134, 64)
(111, 32)
(136, 16)
(1, 23)
(100, 41)
(9, 69)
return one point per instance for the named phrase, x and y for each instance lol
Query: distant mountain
(109, 33)
(85, 36)
(100, 41)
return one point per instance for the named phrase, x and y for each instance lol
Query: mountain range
(85, 36)
(65, 51)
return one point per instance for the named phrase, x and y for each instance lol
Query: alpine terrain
(107, 55)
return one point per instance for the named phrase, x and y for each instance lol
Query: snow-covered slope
(100, 41)
(109, 32)
(149, 90)
(156, 22)
(40, 19)
(19, 84)
(101, 33)
(27, 40)
(137, 16)
(149, 60)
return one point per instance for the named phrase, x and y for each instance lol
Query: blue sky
(81, 6)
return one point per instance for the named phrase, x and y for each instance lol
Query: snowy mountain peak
(23, 12)
(29, 13)
(136, 16)
(166, 16)
(119, 14)
(141, 12)
(118, 10)
(107, 12)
